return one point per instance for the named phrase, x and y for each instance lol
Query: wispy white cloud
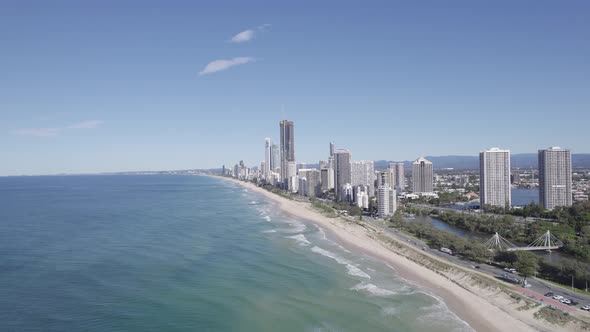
(55, 131)
(90, 124)
(249, 34)
(220, 65)
(243, 36)
(39, 132)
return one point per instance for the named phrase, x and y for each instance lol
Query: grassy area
(553, 316)
(325, 210)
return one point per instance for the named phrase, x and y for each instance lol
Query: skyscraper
(555, 177)
(400, 177)
(362, 173)
(422, 176)
(312, 183)
(386, 201)
(275, 158)
(391, 175)
(494, 178)
(331, 149)
(287, 148)
(342, 174)
(267, 160)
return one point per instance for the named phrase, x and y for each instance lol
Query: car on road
(510, 278)
(550, 294)
(511, 270)
(565, 301)
(447, 251)
(557, 297)
(586, 307)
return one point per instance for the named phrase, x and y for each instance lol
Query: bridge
(546, 241)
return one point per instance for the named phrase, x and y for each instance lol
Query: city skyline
(153, 95)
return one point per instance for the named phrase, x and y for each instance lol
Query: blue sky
(92, 86)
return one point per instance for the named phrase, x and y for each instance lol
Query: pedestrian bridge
(546, 241)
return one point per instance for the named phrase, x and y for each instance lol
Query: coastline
(482, 308)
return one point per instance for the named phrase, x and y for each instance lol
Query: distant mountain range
(522, 160)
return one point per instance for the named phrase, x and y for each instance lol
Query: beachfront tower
(555, 177)
(494, 178)
(342, 175)
(287, 149)
(422, 176)
(386, 201)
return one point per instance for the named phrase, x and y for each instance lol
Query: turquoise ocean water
(186, 253)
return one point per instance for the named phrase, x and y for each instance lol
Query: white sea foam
(352, 270)
(253, 203)
(322, 233)
(267, 218)
(370, 288)
(390, 311)
(270, 231)
(355, 271)
(440, 312)
(300, 238)
(296, 227)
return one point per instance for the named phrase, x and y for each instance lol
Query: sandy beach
(484, 309)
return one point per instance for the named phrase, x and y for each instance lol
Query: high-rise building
(267, 160)
(324, 178)
(391, 175)
(331, 149)
(383, 178)
(386, 201)
(287, 148)
(312, 183)
(362, 173)
(555, 177)
(422, 176)
(275, 158)
(342, 175)
(400, 177)
(494, 178)
(292, 174)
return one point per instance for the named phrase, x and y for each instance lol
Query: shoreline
(482, 311)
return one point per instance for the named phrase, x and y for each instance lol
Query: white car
(586, 307)
(558, 297)
(565, 301)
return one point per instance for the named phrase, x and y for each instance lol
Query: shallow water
(186, 253)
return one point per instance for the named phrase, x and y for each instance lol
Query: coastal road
(537, 289)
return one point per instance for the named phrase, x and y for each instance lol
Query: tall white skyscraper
(362, 173)
(331, 149)
(555, 177)
(494, 178)
(267, 160)
(391, 175)
(287, 149)
(422, 176)
(342, 174)
(386, 201)
(275, 158)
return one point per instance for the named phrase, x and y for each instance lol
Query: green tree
(527, 263)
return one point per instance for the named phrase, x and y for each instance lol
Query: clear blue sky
(90, 86)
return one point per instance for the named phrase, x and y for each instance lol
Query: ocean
(186, 253)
